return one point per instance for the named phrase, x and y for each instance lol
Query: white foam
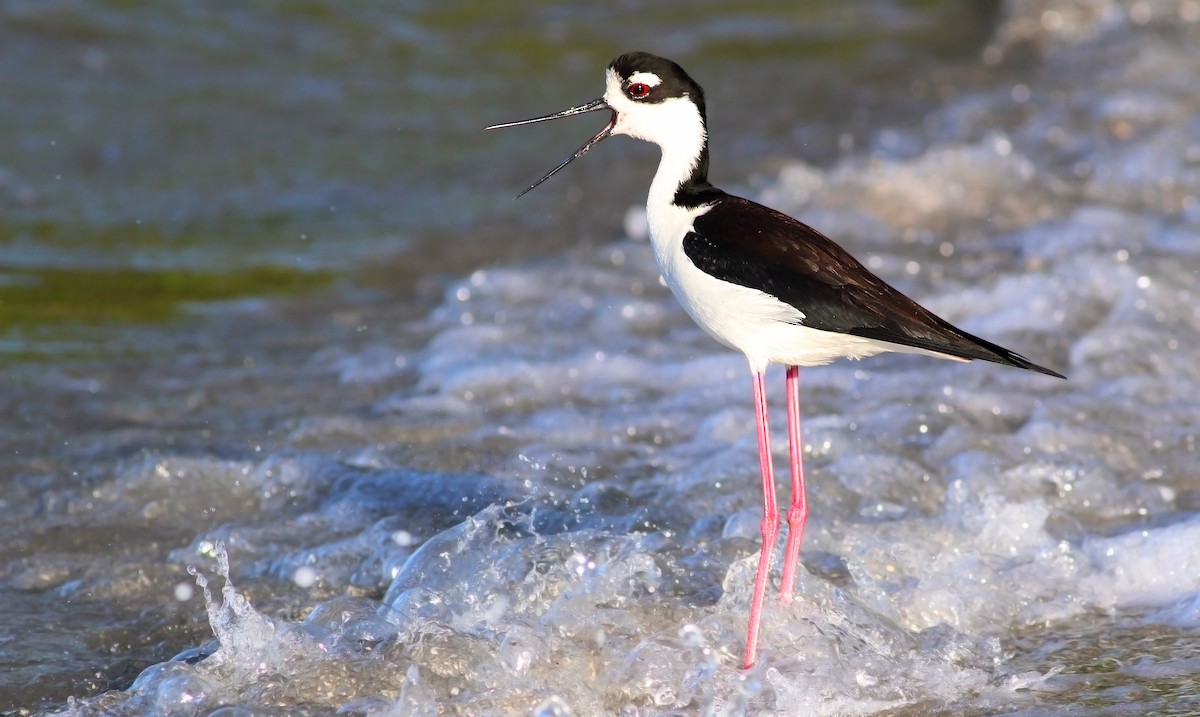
(1152, 568)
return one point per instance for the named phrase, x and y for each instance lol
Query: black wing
(751, 245)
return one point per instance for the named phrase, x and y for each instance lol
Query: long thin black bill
(603, 134)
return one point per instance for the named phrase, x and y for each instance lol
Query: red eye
(638, 90)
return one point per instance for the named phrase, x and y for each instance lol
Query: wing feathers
(748, 244)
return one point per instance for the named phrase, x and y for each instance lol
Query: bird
(758, 281)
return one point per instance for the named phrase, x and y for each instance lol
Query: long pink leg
(770, 521)
(798, 513)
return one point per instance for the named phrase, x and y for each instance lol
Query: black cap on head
(675, 81)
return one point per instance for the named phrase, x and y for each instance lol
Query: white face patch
(648, 79)
(612, 84)
(673, 123)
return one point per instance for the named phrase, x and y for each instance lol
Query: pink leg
(798, 513)
(770, 521)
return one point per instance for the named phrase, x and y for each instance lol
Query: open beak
(592, 106)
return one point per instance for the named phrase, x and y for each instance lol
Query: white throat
(669, 223)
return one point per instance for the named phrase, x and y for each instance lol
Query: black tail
(999, 354)
(950, 340)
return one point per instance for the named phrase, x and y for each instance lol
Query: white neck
(674, 168)
(669, 223)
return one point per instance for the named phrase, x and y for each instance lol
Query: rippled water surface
(305, 416)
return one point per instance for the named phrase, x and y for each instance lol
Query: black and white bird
(758, 280)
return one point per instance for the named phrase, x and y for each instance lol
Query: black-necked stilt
(758, 280)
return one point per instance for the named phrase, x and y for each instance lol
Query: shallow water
(514, 478)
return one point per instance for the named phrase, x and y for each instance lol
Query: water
(420, 472)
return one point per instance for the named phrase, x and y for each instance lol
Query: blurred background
(230, 230)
